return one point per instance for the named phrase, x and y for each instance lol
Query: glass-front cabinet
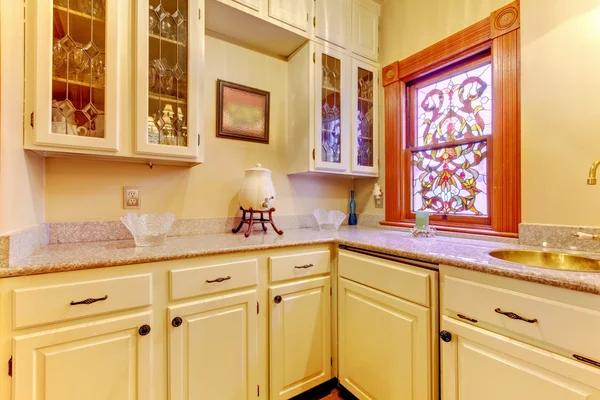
(169, 46)
(365, 151)
(72, 73)
(332, 95)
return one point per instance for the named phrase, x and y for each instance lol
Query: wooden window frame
(498, 37)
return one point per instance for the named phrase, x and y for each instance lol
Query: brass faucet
(591, 180)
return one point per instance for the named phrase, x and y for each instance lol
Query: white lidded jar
(257, 192)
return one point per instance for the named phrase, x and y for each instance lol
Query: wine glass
(99, 69)
(152, 21)
(80, 61)
(167, 27)
(58, 57)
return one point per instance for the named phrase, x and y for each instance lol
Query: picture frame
(242, 112)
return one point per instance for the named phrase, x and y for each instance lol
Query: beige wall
(92, 190)
(560, 81)
(21, 173)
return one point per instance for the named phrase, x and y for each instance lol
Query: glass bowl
(148, 229)
(329, 220)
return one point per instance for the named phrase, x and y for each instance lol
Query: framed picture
(242, 112)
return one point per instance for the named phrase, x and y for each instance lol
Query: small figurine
(377, 191)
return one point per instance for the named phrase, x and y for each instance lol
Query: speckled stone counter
(461, 253)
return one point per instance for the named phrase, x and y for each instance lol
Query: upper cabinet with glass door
(365, 154)
(72, 74)
(170, 47)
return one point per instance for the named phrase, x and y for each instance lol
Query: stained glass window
(331, 98)
(455, 108)
(447, 178)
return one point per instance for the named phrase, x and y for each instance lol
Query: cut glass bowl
(329, 220)
(148, 229)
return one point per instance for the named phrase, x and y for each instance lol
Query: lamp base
(251, 220)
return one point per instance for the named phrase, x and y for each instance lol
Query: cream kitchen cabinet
(518, 340)
(109, 359)
(291, 12)
(213, 350)
(300, 336)
(387, 328)
(333, 21)
(365, 29)
(338, 134)
(77, 62)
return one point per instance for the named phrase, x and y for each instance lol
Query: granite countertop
(457, 252)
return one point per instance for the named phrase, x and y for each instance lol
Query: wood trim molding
(499, 34)
(506, 19)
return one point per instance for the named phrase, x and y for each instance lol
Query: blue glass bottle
(352, 218)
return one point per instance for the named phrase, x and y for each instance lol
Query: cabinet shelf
(77, 83)
(166, 97)
(163, 39)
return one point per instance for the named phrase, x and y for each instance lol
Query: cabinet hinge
(198, 140)
(331, 361)
(314, 58)
(315, 22)
(306, 17)
(199, 13)
(257, 307)
(257, 390)
(330, 291)
(10, 367)
(32, 119)
(314, 158)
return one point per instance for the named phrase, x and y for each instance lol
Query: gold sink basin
(548, 259)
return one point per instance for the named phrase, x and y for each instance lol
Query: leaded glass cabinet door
(73, 73)
(365, 151)
(170, 47)
(332, 115)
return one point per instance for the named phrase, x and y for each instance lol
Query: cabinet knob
(144, 330)
(177, 321)
(277, 299)
(446, 336)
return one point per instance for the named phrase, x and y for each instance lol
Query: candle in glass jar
(422, 220)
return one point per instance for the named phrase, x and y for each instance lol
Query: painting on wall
(242, 112)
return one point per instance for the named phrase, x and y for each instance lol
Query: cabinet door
(365, 151)
(365, 29)
(384, 345)
(213, 348)
(477, 364)
(103, 360)
(300, 338)
(291, 12)
(170, 54)
(252, 4)
(331, 21)
(332, 114)
(73, 73)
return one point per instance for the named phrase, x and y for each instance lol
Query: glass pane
(167, 72)
(78, 68)
(331, 84)
(451, 180)
(455, 108)
(365, 118)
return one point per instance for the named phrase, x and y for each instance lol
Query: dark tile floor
(327, 391)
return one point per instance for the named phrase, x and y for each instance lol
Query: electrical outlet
(131, 197)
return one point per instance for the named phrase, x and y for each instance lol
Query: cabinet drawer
(214, 278)
(402, 280)
(299, 265)
(43, 305)
(558, 324)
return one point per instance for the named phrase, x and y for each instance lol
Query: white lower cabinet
(383, 344)
(300, 338)
(478, 364)
(106, 359)
(213, 348)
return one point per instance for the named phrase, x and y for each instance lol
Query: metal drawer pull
(219, 279)
(89, 301)
(304, 266)
(587, 360)
(512, 315)
(466, 318)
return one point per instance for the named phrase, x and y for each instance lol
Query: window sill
(455, 229)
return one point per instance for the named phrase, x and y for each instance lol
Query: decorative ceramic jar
(257, 192)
